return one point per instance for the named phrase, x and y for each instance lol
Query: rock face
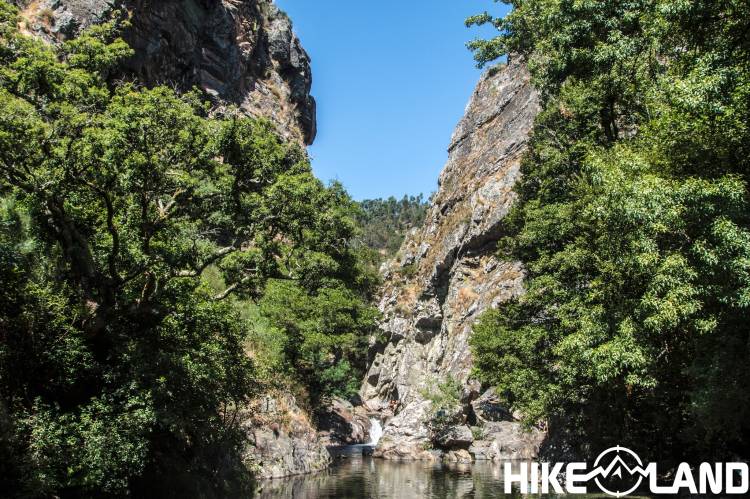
(446, 273)
(455, 437)
(283, 441)
(488, 408)
(406, 435)
(343, 424)
(506, 440)
(239, 52)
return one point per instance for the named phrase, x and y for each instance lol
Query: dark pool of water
(354, 475)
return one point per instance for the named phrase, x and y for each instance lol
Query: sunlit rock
(447, 272)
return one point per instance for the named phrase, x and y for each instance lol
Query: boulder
(461, 456)
(406, 436)
(454, 437)
(282, 440)
(343, 424)
(507, 440)
(489, 408)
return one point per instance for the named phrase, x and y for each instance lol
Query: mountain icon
(616, 468)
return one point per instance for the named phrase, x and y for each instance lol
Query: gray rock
(406, 435)
(454, 437)
(242, 54)
(428, 315)
(506, 440)
(488, 407)
(470, 391)
(343, 424)
(282, 440)
(461, 456)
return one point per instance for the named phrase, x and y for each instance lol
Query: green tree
(326, 335)
(633, 224)
(385, 222)
(121, 368)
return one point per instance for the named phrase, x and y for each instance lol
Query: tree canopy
(135, 229)
(633, 225)
(385, 222)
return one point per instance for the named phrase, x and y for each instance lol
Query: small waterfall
(376, 431)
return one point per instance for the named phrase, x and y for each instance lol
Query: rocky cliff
(283, 440)
(239, 52)
(445, 276)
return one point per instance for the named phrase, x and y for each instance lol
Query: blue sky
(392, 79)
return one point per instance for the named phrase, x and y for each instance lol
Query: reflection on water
(357, 476)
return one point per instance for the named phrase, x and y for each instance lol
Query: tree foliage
(326, 335)
(633, 224)
(385, 222)
(121, 367)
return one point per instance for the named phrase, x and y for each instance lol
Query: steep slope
(240, 53)
(446, 272)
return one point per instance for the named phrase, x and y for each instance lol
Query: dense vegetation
(385, 222)
(147, 252)
(322, 337)
(634, 226)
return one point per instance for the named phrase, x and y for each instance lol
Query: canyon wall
(445, 275)
(243, 53)
(238, 52)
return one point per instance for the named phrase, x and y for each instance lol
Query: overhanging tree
(120, 367)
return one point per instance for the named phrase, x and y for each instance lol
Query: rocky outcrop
(341, 423)
(282, 439)
(406, 435)
(489, 408)
(447, 274)
(454, 437)
(506, 440)
(238, 52)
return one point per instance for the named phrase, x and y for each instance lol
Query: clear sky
(392, 79)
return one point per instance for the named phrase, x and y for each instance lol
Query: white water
(376, 431)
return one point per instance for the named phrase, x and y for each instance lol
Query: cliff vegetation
(633, 226)
(161, 267)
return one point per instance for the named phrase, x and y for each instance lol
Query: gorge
(445, 275)
(186, 310)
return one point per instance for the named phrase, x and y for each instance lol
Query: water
(376, 431)
(354, 475)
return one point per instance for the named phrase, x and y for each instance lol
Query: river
(357, 476)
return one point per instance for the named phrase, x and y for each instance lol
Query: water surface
(353, 475)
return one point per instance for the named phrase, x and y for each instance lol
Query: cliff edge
(445, 275)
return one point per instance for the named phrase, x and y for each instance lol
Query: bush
(446, 407)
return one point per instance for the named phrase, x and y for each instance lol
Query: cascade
(376, 431)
